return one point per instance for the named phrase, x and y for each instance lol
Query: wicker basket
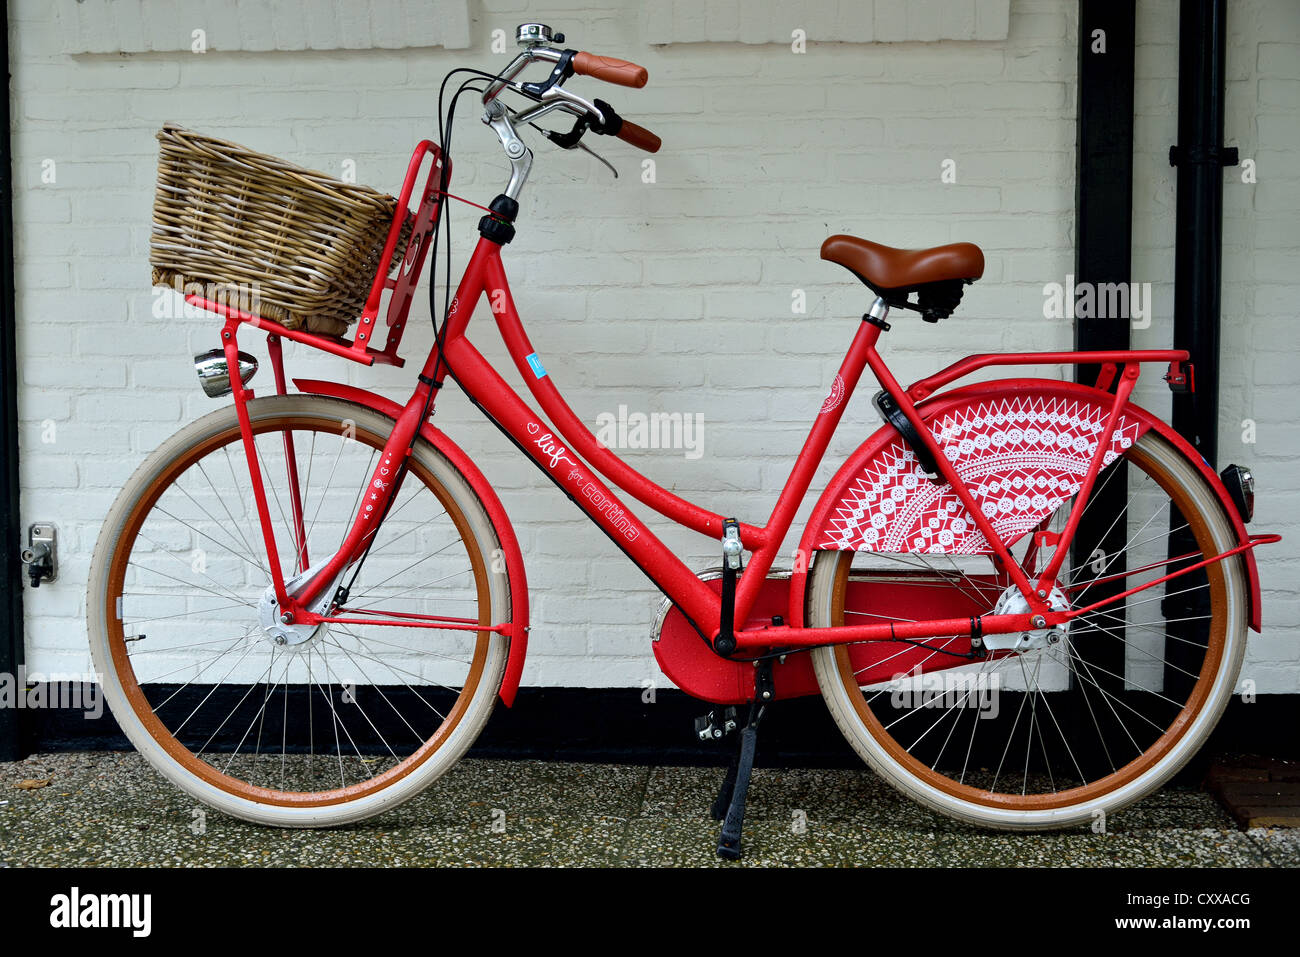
(279, 241)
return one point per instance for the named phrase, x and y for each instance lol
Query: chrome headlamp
(214, 374)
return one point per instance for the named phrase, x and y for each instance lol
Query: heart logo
(533, 428)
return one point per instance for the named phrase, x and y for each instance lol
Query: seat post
(878, 313)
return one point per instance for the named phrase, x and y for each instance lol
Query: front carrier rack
(400, 283)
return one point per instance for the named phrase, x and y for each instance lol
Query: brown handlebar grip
(640, 137)
(610, 70)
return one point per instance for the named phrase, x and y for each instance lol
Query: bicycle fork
(380, 490)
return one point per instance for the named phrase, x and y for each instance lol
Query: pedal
(714, 726)
(731, 547)
(732, 564)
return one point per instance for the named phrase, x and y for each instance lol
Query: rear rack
(1179, 375)
(424, 222)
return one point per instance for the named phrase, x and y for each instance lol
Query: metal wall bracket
(41, 555)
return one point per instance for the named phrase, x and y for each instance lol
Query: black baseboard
(617, 725)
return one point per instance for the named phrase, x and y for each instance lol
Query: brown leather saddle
(935, 276)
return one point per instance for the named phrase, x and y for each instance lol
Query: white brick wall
(171, 26)
(631, 292)
(843, 21)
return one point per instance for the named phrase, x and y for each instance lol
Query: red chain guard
(690, 663)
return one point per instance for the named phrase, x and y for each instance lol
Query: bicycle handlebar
(628, 132)
(624, 73)
(550, 95)
(639, 136)
(610, 69)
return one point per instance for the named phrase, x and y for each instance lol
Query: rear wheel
(300, 726)
(1051, 735)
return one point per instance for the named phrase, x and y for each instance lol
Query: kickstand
(730, 804)
(723, 801)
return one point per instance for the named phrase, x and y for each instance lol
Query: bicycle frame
(563, 452)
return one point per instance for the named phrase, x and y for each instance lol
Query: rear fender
(880, 499)
(496, 512)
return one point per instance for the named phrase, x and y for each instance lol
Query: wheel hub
(289, 633)
(1012, 602)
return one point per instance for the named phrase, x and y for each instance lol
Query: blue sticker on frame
(535, 361)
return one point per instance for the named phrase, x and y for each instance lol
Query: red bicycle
(358, 601)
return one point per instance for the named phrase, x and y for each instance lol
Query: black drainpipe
(1198, 252)
(1102, 248)
(11, 569)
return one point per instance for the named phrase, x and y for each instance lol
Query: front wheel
(295, 727)
(1064, 732)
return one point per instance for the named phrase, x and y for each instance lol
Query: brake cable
(444, 222)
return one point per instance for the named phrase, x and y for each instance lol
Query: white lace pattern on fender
(1021, 456)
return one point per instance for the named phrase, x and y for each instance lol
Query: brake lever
(573, 140)
(566, 141)
(608, 164)
(559, 98)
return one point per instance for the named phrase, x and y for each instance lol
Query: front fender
(1021, 445)
(514, 559)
